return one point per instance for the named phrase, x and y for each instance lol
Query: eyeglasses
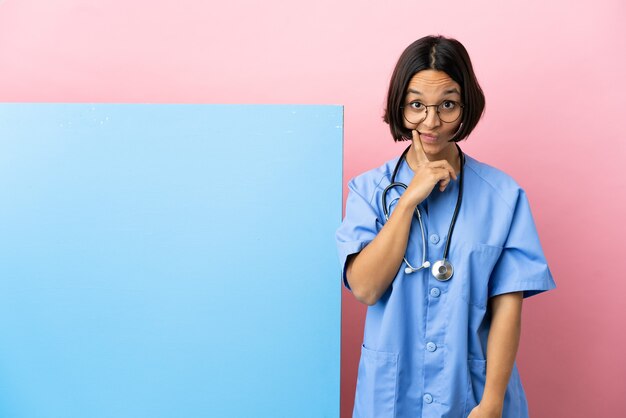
(448, 111)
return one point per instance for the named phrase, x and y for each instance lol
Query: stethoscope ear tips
(408, 270)
(426, 264)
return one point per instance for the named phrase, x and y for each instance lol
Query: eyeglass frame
(437, 110)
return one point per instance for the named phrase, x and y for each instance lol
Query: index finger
(418, 148)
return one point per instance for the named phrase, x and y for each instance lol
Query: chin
(437, 148)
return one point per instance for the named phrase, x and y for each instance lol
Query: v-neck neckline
(438, 208)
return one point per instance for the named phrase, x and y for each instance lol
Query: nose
(432, 119)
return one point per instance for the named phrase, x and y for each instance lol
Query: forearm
(502, 345)
(371, 271)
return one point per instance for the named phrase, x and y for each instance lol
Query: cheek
(451, 128)
(406, 123)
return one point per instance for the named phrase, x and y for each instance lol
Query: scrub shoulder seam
(494, 188)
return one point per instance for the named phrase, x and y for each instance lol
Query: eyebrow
(449, 91)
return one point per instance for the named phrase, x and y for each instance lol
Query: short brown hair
(434, 53)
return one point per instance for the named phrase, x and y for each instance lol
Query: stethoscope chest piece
(442, 270)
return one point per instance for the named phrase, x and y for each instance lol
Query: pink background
(553, 74)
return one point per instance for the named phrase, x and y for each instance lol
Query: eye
(447, 105)
(416, 106)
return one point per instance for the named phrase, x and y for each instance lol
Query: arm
(370, 272)
(502, 345)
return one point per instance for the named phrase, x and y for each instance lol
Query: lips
(429, 138)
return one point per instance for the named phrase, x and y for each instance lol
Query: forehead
(432, 83)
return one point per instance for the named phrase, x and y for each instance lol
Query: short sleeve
(359, 227)
(522, 265)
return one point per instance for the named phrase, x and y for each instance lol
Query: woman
(445, 296)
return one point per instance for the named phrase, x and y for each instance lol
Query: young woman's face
(427, 88)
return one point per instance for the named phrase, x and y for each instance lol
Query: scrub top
(425, 341)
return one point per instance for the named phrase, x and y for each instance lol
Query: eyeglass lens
(448, 111)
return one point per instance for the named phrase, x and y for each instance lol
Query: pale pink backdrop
(553, 73)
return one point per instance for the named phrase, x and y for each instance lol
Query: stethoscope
(442, 269)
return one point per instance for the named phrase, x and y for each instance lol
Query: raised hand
(426, 174)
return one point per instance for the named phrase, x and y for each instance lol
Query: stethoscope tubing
(424, 264)
(443, 266)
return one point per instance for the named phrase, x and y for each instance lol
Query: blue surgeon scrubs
(425, 341)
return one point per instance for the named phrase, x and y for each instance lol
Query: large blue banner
(169, 260)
